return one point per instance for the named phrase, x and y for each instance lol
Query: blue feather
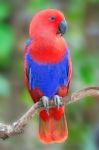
(47, 77)
(30, 78)
(27, 43)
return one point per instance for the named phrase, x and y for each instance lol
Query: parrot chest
(47, 77)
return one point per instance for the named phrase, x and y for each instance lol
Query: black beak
(62, 27)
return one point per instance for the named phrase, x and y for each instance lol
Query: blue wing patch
(47, 77)
(28, 42)
(30, 78)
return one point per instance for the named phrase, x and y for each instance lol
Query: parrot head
(46, 29)
(51, 19)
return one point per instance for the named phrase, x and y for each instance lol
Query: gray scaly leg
(45, 101)
(57, 101)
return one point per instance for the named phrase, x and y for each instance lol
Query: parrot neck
(49, 50)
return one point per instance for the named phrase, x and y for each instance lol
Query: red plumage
(48, 47)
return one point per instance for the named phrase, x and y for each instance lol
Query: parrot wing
(28, 76)
(70, 68)
(31, 80)
(66, 72)
(38, 76)
(28, 42)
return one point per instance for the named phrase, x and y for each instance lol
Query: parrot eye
(52, 18)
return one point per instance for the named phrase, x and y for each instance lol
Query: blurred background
(83, 40)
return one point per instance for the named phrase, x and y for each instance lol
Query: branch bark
(18, 127)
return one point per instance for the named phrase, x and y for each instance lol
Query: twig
(18, 127)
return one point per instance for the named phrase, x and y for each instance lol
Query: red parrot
(48, 69)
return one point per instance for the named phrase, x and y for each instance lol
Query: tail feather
(53, 129)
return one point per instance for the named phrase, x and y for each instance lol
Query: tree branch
(18, 127)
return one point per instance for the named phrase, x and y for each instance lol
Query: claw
(57, 101)
(45, 102)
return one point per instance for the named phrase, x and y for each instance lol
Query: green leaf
(7, 40)
(4, 10)
(87, 102)
(36, 5)
(86, 72)
(77, 132)
(25, 97)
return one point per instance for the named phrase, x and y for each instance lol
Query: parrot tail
(52, 126)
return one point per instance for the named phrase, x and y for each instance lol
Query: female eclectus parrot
(48, 70)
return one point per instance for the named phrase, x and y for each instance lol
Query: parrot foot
(57, 101)
(45, 101)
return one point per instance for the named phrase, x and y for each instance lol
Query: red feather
(48, 47)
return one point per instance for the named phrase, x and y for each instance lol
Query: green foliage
(76, 10)
(85, 67)
(5, 88)
(77, 133)
(7, 40)
(5, 10)
(86, 73)
(93, 1)
(36, 5)
(89, 141)
(25, 97)
(18, 67)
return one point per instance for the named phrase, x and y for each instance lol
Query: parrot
(48, 70)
